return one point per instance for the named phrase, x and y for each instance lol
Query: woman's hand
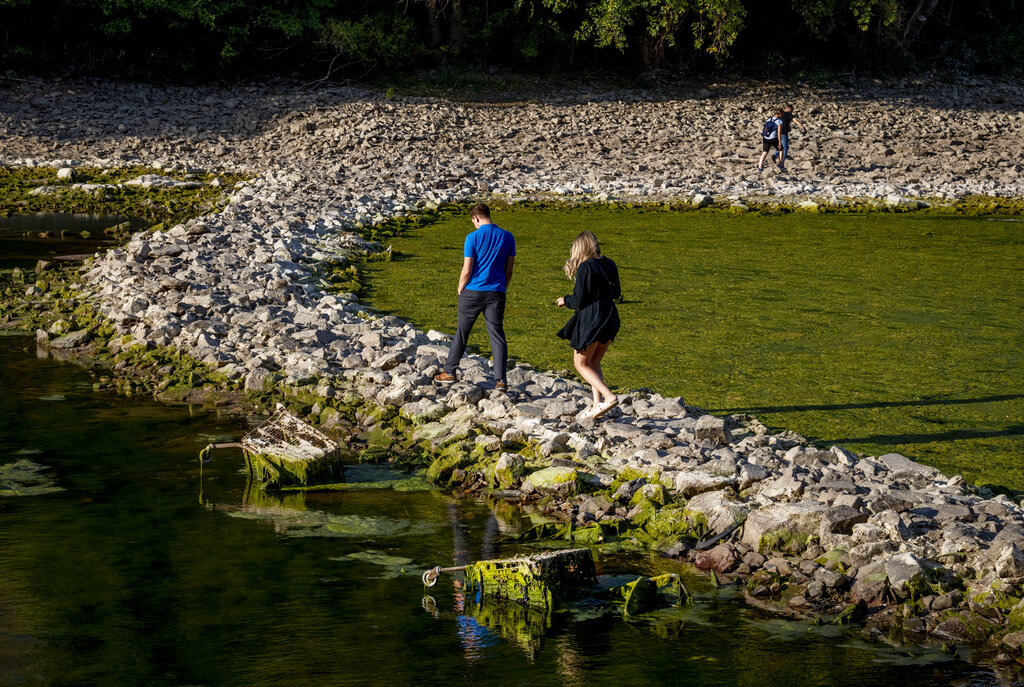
(560, 302)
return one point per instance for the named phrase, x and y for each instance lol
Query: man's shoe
(782, 168)
(500, 386)
(775, 156)
(444, 377)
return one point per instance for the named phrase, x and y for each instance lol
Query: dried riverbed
(248, 293)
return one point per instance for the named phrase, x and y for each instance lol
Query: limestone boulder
(508, 471)
(553, 481)
(692, 482)
(783, 522)
(720, 509)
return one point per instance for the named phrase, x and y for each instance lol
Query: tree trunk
(456, 36)
(434, 14)
(652, 51)
(917, 19)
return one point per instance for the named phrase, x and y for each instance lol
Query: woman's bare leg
(588, 364)
(599, 350)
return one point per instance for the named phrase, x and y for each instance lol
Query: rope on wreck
(204, 455)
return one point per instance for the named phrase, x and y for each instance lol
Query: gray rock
(907, 572)
(626, 490)
(898, 463)
(1010, 562)
(712, 428)
(750, 475)
(72, 340)
(689, 483)
(841, 519)
(257, 380)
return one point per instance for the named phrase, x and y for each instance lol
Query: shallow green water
(139, 573)
(877, 332)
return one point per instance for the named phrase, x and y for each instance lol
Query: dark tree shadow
(952, 435)
(868, 405)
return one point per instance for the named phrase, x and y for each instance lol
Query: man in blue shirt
(488, 258)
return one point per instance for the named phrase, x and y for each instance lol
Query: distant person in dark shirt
(770, 138)
(596, 321)
(788, 120)
(488, 257)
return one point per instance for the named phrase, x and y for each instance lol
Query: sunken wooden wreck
(285, 451)
(539, 580)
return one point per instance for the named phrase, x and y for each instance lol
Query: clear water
(143, 572)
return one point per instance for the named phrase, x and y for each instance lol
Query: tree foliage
(203, 38)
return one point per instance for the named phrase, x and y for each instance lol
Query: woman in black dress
(596, 321)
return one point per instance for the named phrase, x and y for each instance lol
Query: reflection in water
(290, 516)
(519, 623)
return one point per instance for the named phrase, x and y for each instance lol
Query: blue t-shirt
(490, 247)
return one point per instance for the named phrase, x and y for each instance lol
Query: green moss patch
(168, 205)
(879, 331)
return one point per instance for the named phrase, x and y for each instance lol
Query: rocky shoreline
(246, 291)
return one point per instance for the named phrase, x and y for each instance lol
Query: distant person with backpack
(770, 139)
(787, 121)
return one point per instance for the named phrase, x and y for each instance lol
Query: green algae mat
(880, 332)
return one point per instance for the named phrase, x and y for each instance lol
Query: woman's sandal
(604, 408)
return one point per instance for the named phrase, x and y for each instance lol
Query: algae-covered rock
(854, 613)
(783, 526)
(441, 469)
(588, 536)
(640, 596)
(832, 560)
(25, 478)
(646, 594)
(909, 575)
(508, 470)
(548, 530)
(72, 340)
(669, 526)
(785, 541)
(719, 509)
(965, 626)
(643, 509)
(653, 492)
(553, 481)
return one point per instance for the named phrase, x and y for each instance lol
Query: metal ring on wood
(430, 576)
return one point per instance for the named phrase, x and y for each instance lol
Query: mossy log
(537, 580)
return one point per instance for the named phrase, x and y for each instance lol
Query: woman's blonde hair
(583, 248)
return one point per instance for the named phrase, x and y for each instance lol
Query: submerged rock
(25, 478)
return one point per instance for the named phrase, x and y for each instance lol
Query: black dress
(596, 317)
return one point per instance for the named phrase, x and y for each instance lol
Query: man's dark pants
(471, 305)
